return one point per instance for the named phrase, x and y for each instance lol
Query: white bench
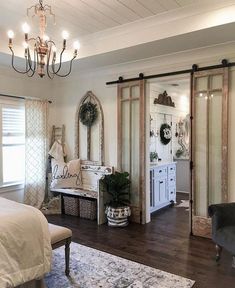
(91, 175)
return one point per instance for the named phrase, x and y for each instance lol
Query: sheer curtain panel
(36, 133)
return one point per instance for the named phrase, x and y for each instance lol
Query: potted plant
(117, 209)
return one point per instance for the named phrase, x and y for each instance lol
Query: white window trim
(11, 187)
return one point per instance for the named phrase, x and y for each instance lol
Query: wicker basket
(71, 206)
(88, 209)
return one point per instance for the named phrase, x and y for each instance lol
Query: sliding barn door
(131, 143)
(209, 145)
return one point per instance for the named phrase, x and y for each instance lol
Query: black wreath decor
(165, 133)
(88, 113)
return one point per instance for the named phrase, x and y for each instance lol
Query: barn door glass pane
(135, 120)
(208, 142)
(201, 153)
(125, 136)
(215, 148)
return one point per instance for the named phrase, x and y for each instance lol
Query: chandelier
(40, 52)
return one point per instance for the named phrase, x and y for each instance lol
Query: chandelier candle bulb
(10, 34)
(25, 28)
(65, 35)
(76, 45)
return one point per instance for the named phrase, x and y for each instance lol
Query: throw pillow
(66, 175)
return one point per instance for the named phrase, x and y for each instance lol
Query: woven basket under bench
(88, 208)
(85, 208)
(71, 206)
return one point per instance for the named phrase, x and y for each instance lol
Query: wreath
(88, 113)
(165, 133)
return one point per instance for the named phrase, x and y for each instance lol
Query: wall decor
(183, 137)
(164, 99)
(88, 113)
(89, 145)
(165, 133)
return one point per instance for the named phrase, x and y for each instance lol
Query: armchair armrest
(222, 215)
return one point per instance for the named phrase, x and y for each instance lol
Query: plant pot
(118, 217)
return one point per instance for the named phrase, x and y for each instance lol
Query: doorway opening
(169, 147)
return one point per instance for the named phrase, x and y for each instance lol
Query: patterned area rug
(184, 204)
(91, 268)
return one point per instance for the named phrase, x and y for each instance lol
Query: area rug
(184, 204)
(91, 268)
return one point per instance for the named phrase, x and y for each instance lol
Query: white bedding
(25, 245)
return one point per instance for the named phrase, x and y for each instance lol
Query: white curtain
(36, 133)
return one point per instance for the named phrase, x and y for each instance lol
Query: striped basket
(71, 206)
(118, 217)
(88, 209)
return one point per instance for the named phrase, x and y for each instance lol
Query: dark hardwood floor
(164, 244)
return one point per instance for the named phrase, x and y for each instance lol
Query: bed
(25, 245)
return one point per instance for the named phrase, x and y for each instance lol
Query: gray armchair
(223, 228)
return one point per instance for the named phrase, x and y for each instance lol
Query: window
(12, 153)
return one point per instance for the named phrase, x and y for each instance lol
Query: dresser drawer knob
(161, 182)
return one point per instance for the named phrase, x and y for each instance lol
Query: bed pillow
(66, 175)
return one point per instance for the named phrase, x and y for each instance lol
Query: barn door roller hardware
(224, 63)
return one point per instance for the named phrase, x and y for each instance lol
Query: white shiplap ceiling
(104, 26)
(83, 17)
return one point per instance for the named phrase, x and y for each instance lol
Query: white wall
(68, 93)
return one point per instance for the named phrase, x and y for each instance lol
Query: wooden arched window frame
(94, 134)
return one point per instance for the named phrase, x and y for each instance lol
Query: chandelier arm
(51, 41)
(70, 69)
(26, 63)
(30, 61)
(49, 74)
(36, 56)
(13, 65)
(29, 55)
(31, 75)
(34, 66)
(31, 39)
(61, 55)
(53, 66)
